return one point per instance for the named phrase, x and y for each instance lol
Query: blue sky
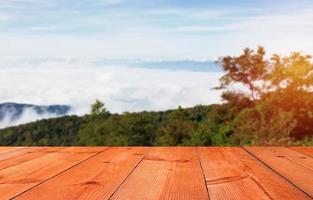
(136, 54)
(160, 29)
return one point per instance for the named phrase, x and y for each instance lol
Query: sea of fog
(124, 85)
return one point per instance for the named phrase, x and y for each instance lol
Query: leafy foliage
(48, 132)
(280, 104)
(246, 69)
(275, 109)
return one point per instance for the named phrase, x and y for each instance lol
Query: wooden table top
(136, 173)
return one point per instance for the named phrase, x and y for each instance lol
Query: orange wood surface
(96, 178)
(294, 166)
(304, 150)
(5, 150)
(166, 173)
(20, 178)
(226, 178)
(267, 179)
(23, 155)
(215, 173)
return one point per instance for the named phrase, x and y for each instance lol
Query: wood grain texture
(266, 178)
(5, 150)
(17, 179)
(226, 178)
(93, 173)
(13, 158)
(96, 178)
(304, 150)
(166, 173)
(294, 166)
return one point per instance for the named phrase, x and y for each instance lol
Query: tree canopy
(275, 108)
(279, 94)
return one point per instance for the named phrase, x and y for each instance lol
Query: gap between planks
(117, 188)
(278, 173)
(204, 180)
(144, 156)
(86, 159)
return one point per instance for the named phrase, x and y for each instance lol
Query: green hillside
(275, 109)
(200, 125)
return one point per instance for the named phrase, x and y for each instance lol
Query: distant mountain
(187, 65)
(15, 113)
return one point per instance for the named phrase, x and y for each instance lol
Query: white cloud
(121, 88)
(118, 46)
(28, 115)
(278, 32)
(56, 28)
(5, 18)
(145, 36)
(110, 2)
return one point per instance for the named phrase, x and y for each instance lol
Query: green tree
(247, 69)
(98, 108)
(176, 130)
(266, 124)
(283, 84)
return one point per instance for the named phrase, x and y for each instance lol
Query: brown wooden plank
(304, 150)
(294, 166)
(166, 173)
(5, 150)
(13, 158)
(226, 178)
(17, 179)
(273, 185)
(294, 156)
(96, 178)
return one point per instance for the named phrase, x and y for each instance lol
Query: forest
(275, 108)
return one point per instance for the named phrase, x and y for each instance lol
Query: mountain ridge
(12, 113)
